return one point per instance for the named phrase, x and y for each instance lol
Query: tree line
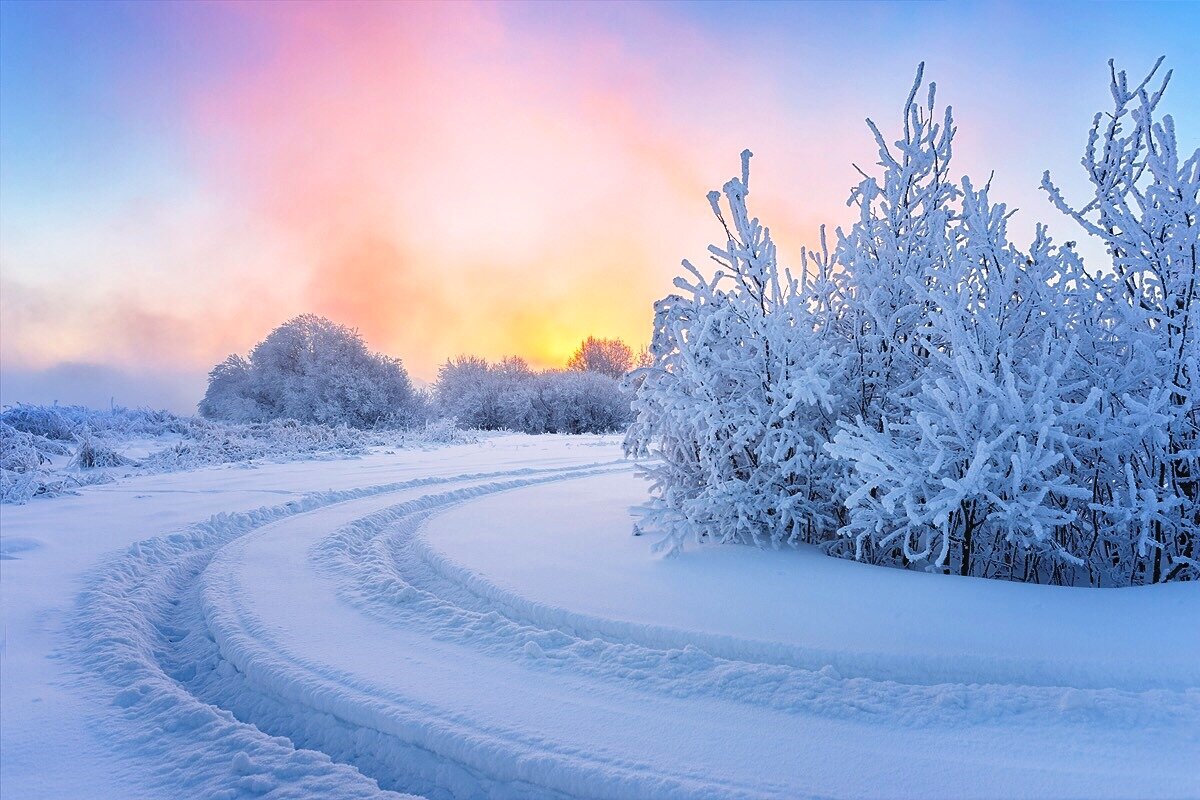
(311, 369)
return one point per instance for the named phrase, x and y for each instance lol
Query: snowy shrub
(21, 487)
(66, 423)
(736, 406)
(1146, 209)
(577, 402)
(49, 422)
(27, 460)
(509, 395)
(277, 440)
(32, 465)
(964, 439)
(18, 487)
(930, 395)
(93, 453)
(21, 451)
(311, 370)
(437, 433)
(484, 396)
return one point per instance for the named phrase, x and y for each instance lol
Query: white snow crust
(477, 621)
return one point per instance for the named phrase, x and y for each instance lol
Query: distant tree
(229, 395)
(508, 395)
(574, 401)
(611, 357)
(311, 370)
(467, 392)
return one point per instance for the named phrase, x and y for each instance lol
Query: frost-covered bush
(484, 396)
(437, 433)
(32, 465)
(611, 357)
(23, 458)
(508, 395)
(577, 402)
(312, 370)
(213, 444)
(737, 404)
(94, 453)
(27, 460)
(50, 422)
(1145, 207)
(21, 451)
(66, 423)
(931, 395)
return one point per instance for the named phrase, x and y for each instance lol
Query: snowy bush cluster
(312, 370)
(25, 460)
(508, 395)
(928, 393)
(65, 423)
(51, 450)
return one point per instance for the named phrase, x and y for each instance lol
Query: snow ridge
(908, 672)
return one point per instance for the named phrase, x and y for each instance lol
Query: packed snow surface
(579, 566)
(477, 621)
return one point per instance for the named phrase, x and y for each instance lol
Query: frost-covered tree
(479, 395)
(572, 401)
(509, 395)
(737, 402)
(1146, 209)
(931, 395)
(611, 357)
(311, 370)
(897, 248)
(229, 395)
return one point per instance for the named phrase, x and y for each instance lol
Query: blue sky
(178, 178)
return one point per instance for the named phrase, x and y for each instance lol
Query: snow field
(478, 622)
(73, 665)
(541, 704)
(395, 731)
(581, 570)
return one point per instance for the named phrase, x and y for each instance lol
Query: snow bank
(793, 608)
(334, 642)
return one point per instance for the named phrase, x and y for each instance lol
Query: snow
(477, 620)
(575, 546)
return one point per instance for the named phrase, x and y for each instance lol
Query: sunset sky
(178, 178)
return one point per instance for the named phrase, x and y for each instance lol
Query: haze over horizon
(494, 179)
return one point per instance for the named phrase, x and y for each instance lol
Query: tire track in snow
(381, 566)
(389, 570)
(124, 629)
(487, 760)
(179, 693)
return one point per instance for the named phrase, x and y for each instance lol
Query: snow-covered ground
(477, 621)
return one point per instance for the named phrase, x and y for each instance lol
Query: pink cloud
(449, 178)
(460, 184)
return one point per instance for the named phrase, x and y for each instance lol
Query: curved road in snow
(328, 647)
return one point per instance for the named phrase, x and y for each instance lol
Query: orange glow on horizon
(448, 178)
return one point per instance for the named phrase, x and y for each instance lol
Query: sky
(176, 179)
